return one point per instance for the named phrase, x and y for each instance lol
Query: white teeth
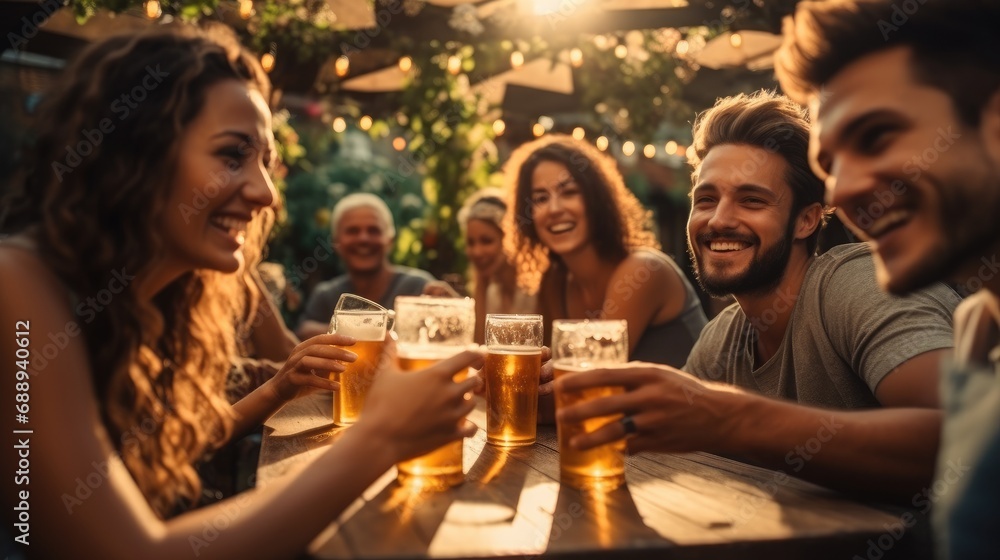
(559, 228)
(891, 219)
(727, 246)
(230, 223)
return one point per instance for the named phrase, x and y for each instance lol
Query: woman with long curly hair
(583, 241)
(146, 189)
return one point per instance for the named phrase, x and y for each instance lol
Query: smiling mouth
(233, 227)
(727, 246)
(561, 227)
(890, 221)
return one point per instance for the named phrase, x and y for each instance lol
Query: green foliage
(449, 139)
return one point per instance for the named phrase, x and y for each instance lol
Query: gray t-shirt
(844, 335)
(405, 281)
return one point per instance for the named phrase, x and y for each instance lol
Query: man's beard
(762, 276)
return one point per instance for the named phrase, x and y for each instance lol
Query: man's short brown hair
(954, 45)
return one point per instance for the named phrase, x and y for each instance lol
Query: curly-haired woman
(583, 241)
(149, 169)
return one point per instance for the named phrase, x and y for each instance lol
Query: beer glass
(431, 329)
(511, 372)
(367, 322)
(579, 345)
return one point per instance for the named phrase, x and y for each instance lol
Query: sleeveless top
(670, 343)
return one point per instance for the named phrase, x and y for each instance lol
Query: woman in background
(494, 277)
(583, 241)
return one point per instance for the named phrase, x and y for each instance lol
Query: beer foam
(515, 350)
(362, 326)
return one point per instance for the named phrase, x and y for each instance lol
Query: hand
(673, 411)
(416, 412)
(440, 288)
(309, 365)
(545, 377)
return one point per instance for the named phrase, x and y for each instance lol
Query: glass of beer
(431, 329)
(579, 345)
(367, 322)
(511, 372)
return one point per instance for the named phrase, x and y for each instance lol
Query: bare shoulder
(27, 280)
(645, 264)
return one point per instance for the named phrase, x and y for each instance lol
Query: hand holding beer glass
(579, 345)
(367, 322)
(429, 330)
(511, 373)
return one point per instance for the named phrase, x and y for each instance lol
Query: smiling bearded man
(813, 370)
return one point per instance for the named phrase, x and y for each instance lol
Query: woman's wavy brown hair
(97, 178)
(618, 222)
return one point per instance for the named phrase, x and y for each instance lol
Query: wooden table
(692, 505)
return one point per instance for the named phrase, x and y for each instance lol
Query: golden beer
(441, 468)
(511, 375)
(601, 468)
(355, 381)
(368, 329)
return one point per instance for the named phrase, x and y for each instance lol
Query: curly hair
(953, 45)
(98, 175)
(618, 222)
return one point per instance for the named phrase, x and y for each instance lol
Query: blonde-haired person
(126, 256)
(494, 282)
(363, 233)
(583, 241)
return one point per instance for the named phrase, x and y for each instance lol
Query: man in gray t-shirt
(844, 335)
(363, 232)
(819, 374)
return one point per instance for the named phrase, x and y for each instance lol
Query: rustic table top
(692, 505)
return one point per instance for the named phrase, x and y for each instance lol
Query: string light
(339, 124)
(683, 47)
(546, 122)
(576, 57)
(399, 143)
(601, 143)
(670, 148)
(342, 66)
(267, 61)
(537, 130)
(689, 153)
(153, 9)
(736, 40)
(246, 9)
(579, 133)
(405, 63)
(621, 51)
(516, 59)
(649, 151)
(454, 64)
(628, 148)
(365, 122)
(499, 126)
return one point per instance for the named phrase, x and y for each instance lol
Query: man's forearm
(887, 452)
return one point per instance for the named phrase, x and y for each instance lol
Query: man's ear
(334, 245)
(989, 127)
(808, 220)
